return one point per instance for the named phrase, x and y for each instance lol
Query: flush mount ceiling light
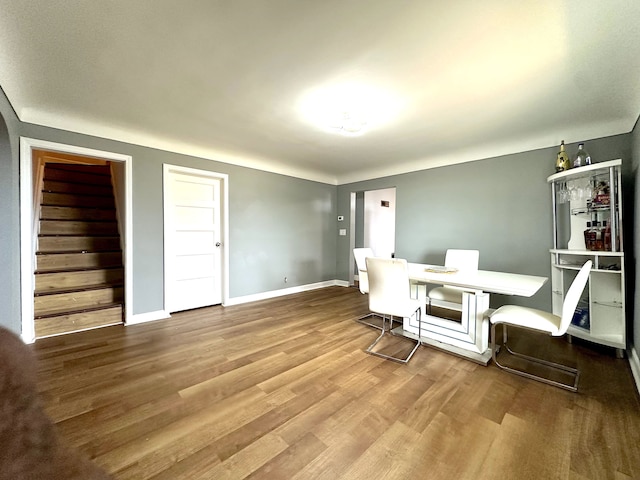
(348, 109)
(348, 123)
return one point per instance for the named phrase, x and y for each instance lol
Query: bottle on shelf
(602, 196)
(587, 236)
(598, 236)
(582, 158)
(607, 235)
(562, 160)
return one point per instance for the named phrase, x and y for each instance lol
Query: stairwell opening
(75, 236)
(79, 272)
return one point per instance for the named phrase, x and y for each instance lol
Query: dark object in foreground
(30, 447)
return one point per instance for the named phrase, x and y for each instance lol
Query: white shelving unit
(601, 316)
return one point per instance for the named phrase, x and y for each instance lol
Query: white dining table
(469, 337)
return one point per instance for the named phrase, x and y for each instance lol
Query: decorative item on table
(582, 158)
(440, 269)
(562, 160)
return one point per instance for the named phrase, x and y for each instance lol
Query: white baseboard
(162, 314)
(148, 317)
(634, 361)
(284, 291)
(28, 338)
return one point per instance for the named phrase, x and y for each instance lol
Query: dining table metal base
(480, 358)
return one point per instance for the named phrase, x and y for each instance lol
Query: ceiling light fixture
(349, 109)
(348, 123)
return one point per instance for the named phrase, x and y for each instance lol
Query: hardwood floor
(281, 389)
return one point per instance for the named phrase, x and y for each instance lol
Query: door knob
(218, 244)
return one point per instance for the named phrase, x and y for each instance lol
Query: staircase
(79, 276)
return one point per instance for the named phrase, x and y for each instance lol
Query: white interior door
(193, 239)
(380, 221)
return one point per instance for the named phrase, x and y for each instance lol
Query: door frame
(352, 226)
(224, 224)
(27, 252)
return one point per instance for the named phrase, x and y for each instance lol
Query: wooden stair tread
(103, 169)
(73, 322)
(101, 235)
(75, 243)
(79, 220)
(75, 194)
(85, 176)
(78, 227)
(60, 186)
(75, 301)
(76, 269)
(104, 306)
(86, 288)
(62, 261)
(75, 252)
(73, 200)
(86, 213)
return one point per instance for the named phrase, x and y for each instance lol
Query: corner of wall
(634, 361)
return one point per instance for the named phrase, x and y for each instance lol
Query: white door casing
(194, 236)
(27, 222)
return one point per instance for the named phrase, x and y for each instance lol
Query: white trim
(26, 223)
(634, 362)
(224, 179)
(148, 317)
(26, 259)
(285, 291)
(353, 277)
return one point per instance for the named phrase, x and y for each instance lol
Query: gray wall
(9, 219)
(279, 226)
(500, 206)
(633, 214)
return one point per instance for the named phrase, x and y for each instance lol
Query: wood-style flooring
(281, 389)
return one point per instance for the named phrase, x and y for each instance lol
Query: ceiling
(233, 80)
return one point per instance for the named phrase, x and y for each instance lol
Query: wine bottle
(597, 236)
(587, 237)
(562, 161)
(607, 236)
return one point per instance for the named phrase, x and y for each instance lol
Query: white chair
(541, 321)
(360, 254)
(390, 295)
(447, 296)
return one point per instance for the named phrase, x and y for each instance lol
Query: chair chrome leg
(556, 366)
(363, 320)
(384, 331)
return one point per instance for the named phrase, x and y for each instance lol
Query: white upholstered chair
(448, 296)
(360, 254)
(541, 321)
(390, 296)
